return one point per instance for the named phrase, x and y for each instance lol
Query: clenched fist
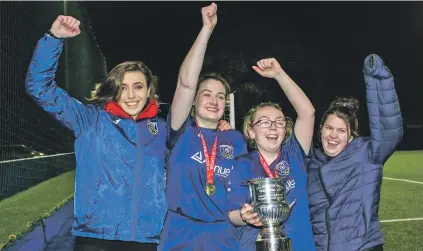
(65, 26)
(269, 68)
(209, 15)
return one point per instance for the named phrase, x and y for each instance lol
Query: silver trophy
(268, 199)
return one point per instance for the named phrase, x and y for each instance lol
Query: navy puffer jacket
(344, 192)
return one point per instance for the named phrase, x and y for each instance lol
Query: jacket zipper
(137, 181)
(327, 210)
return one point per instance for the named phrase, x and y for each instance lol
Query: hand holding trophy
(268, 199)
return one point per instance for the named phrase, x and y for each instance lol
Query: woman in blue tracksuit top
(120, 148)
(281, 149)
(201, 158)
(345, 174)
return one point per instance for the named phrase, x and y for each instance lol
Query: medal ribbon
(210, 159)
(267, 168)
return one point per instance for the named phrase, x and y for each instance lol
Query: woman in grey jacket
(345, 174)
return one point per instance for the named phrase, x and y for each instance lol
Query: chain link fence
(33, 146)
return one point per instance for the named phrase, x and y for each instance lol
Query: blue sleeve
(386, 124)
(295, 150)
(308, 157)
(242, 146)
(42, 87)
(172, 135)
(244, 149)
(239, 194)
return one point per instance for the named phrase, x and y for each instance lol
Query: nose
(213, 100)
(273, 125)
(131, 93)
(333, 134)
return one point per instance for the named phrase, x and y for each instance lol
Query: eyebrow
(207, 90)
(134, 83)
(338, 128)
(266, 117)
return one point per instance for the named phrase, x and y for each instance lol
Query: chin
(275, 149)
(271, 148)
(212, 117)
(331, 154)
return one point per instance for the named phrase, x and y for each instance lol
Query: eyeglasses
(265, 123)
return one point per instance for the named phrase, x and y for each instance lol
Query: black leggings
(92, 244)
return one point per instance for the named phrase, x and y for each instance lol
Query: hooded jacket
(120, 177)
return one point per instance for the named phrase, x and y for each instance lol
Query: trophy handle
(250, 189)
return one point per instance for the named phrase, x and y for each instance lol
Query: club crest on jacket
(152, 127)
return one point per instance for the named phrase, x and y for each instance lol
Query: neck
(269, 156)
(206, 123)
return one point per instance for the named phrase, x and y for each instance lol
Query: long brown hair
(110, 89)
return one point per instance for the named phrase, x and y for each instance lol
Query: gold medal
(210, 189)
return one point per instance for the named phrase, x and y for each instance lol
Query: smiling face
(268, 129)
(210, 102)
(133, 93)
(335, 135)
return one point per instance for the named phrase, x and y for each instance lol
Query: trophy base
(276, 244)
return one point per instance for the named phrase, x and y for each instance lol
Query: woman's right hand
(248, 216)
(269, 68)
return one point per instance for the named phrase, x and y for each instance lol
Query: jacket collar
(150, 111)
(349, 150)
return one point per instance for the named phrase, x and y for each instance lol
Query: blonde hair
(249, 120)
(111, 88)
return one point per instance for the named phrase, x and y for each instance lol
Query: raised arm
(304, 124)
(40, 84)
(386, 125)
(191, 68)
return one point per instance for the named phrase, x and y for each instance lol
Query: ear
(351, 137)
(285, 133)
(251, 133)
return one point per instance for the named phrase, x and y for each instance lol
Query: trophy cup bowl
(268, 199)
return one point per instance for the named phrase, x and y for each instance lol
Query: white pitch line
(36, 157)
(399, 220)
(409, 181)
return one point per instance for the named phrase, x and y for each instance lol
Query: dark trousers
(92, 244)
(376, 248)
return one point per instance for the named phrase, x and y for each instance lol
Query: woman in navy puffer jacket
(345, 175)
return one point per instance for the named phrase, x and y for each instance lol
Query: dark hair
(111, 88)
(345, 109)
(217, 77)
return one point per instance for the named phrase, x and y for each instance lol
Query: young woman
(120, 148)
(345, 174)
(201, 158)
(280, 150)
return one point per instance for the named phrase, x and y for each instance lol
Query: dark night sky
(324, 43)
